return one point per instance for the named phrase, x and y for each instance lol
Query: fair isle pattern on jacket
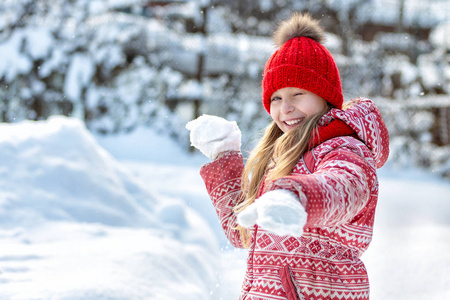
(340, 197)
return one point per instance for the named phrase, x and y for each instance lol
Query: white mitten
(213, 135)
(278, 211)
(248, 217)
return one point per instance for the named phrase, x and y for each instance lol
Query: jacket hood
(364, 118)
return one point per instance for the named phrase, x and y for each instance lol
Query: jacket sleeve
(336, 192)
(222, 178)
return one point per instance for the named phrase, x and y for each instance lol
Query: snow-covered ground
(77, 224)
(135, 222)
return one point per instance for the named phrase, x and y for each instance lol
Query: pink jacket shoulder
(365, 119)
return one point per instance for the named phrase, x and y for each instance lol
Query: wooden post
(401, 16)
(444, 125)
(201, 59)
(199, 75)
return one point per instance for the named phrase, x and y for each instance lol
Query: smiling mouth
(293, 122)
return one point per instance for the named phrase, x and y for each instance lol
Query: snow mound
(55, 170)
(76, 224)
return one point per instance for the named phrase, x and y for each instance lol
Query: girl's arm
(222, 178)
(336, 192)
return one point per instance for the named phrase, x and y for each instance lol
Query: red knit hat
(301, 61)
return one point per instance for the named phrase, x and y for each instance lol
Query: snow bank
(55, 170)
(72, 216)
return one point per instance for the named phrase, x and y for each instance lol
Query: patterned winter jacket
(339, 191)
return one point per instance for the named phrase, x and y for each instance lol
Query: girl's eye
(298, 94)
(275, 99)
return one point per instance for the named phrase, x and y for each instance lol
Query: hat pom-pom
(298, 25)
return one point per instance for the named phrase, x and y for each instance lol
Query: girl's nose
(286, 106)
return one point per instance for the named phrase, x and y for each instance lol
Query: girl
(305, 201)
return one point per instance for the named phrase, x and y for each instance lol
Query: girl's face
(290, 106)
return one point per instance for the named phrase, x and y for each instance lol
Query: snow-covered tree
(81, 58)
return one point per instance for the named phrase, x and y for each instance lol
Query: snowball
(278, 211)
(247, 218)
(281, 212)
(213, 135)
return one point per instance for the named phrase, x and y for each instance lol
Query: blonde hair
(275, 156)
